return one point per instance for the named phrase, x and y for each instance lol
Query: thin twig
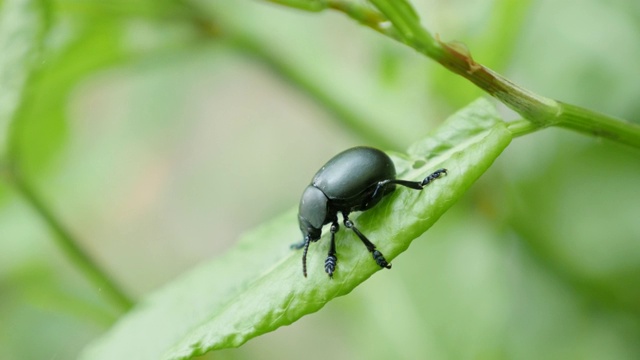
(69, 244)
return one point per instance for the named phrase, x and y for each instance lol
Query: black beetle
(354, 180)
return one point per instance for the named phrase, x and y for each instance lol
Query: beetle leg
(377, 255)
(330, 263)
(381, 185)
(417, 185)
(436, 174)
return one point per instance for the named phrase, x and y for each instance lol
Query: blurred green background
(158, 139)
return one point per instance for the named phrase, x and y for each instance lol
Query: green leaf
(41, 125)
(258, 286)
(79, 40)
(20, 41)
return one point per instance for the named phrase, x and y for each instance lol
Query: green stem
(70, 245)
(522, 127)
(540, 111)
(364, 15)
(457, 58)
(590, 122)
(584, 121)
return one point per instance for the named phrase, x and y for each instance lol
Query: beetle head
(312, 212)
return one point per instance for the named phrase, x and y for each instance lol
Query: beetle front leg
(377, 255)
(330, 262)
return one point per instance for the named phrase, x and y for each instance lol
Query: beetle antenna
(307, 241)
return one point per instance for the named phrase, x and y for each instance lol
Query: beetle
(354, 180)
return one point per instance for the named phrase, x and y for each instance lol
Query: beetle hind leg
(435, 175)
(377, 255)
(417, 185)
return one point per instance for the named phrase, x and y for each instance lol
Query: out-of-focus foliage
(157, 144)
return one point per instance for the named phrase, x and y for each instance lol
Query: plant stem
(457, 58)
(590, 122)
(364, 15)
(70, 245)
(522, 127)
(540, 111)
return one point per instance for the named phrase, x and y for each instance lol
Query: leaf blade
(264, 287)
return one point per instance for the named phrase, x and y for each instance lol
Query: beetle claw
(380, 260)
(435, 175)
(330, 265)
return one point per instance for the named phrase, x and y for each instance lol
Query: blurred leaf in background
(147, 135)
